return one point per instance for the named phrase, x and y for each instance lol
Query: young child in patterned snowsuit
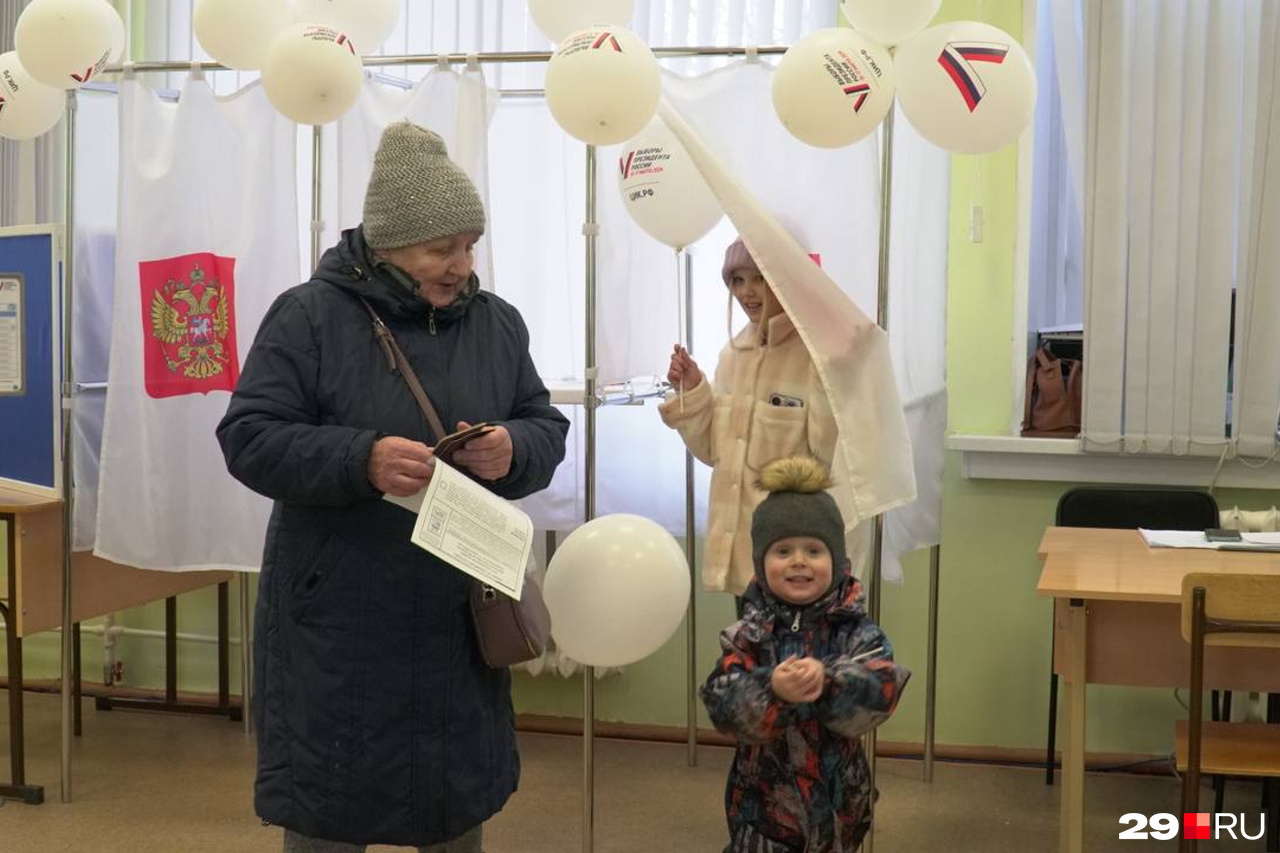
(801, 677)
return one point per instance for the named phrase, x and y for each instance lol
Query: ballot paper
(474, 530)
(1197, 539)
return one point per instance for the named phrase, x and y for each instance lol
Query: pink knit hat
(736, 257)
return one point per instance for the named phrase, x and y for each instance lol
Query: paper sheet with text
(474, 530)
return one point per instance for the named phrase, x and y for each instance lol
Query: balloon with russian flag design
(966, 86)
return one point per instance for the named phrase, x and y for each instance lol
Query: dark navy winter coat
(377, 720)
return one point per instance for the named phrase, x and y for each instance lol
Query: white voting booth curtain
(97, 158)
(536, 204)
(1180, 194)
(206, 242)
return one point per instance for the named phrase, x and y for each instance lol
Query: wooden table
(34, 591)
(1117, 612)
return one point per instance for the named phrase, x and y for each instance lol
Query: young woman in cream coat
(765, 402)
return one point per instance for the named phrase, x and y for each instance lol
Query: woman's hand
(399, 466)
(799, 680)
(489, 456)
(684, 372)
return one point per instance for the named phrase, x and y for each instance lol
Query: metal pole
(246, 665)
(931, 677)
(590, 229)
(690, 536)
(68, 495)
(461, 58)
(882, 318)
(316, 150)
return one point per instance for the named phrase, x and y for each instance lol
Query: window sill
(997, 457)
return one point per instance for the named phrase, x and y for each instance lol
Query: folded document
(1196, 539)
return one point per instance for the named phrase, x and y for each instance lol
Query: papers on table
(472, 529)
(1196, 539)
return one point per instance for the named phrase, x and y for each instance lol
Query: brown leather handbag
(507, 631)
(1054, 396)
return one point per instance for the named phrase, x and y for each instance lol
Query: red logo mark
(1196, 825)
(860, 93)
(606, 37)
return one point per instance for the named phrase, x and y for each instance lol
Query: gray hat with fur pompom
(416, 193)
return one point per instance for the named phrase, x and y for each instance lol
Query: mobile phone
(1217, 534)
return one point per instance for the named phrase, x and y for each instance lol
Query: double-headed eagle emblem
(190, 320)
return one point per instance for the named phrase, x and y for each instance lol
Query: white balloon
(833, 87)
(603, 85)
(890, 22)
(558, 18)
(64, 43)
(367, 22)
(312, 74)
(617, 589)
(27, 107)
(238, 33)
(116, 25)
(663, 190)
(966, 86)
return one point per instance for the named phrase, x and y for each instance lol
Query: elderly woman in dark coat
(378, 721)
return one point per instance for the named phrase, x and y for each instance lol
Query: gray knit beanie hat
(797, 505)
(416, 193)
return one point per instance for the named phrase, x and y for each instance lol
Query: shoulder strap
(397, 361)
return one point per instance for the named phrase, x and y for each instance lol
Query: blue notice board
(30, 367)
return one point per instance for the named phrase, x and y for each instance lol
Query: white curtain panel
(200, 184)
(97, 159)
(1257, 369)
(1163, 193)
(536, 196)
(1057, 241)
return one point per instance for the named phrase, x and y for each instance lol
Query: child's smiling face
(798, 569)
(749, 287)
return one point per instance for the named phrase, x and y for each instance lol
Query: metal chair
(1123, 509)
(1228, 610)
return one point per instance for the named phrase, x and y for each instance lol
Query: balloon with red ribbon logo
(966, 86)
(663, 190)
(28, 108)
(367, 22)
(833, 87)
(312, 74)
(603, 85)
(64, 43)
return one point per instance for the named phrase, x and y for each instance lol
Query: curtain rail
(458, 58)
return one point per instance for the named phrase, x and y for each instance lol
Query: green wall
(994, 630)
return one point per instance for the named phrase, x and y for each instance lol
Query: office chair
(1228, 610)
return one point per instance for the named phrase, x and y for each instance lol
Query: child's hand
(684, 370)
(799, 680)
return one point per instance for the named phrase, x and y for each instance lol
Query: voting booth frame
(591, 401)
